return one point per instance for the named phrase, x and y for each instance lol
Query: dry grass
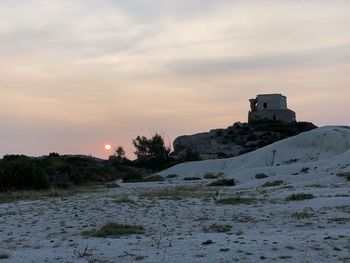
(179, 192)
(236, 201)
(11, 196)
(114, 230)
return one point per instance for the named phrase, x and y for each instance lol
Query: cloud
(118, 68)
(312, 59)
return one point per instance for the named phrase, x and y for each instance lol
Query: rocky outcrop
(238, 139)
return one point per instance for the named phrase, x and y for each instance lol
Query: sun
(108, 147)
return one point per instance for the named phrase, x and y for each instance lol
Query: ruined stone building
(270, 106)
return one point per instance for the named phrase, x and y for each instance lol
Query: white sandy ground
(48, 230)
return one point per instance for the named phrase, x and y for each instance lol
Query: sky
(78, 74)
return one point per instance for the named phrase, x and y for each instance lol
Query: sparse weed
(345, 175)
(213, 175)
(302, 215)
(192, 178)
(299, 197)
(223, 182)
(217, 228)
(236, 201)
(305, 170)
(261, 176)
(114, 230)
(273, 183)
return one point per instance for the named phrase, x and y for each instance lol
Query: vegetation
(305, 170)
(114, 230)
(261, 176)
(207, 242)
(299, 197)
(345, 175)
(192, 178)
(212, 175)
(151, 152)
(19, 172)
(273, 183)
(149, 178)
(217, 228)
(236, 201)
(223, 182)
(302, 215)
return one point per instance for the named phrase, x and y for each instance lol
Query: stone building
(272, 107)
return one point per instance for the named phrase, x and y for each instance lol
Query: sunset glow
(73, 72)
(108, 147)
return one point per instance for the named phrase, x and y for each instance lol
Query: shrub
(223, 182)
(114, 230)
(345, 175)
(131, 176)
(299, 197)
(212, 175)
(261, 176)
(172, 176)
(217, 228)
(236, 201)
(273, 183)
(191, 178)
(302, 215)
(22, 173)
(305, 170)
(207, 242)
(153, 178)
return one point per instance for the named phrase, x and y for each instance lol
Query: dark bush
(223, 182)
(22, 173)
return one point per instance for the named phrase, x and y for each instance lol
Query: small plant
(153, 178)
(145, 179)
(4, 255)
(172, 176)
(299, 197)
(191, 178)
(305, 170)
(207, 242)
(212, 175)
(124, 199)
(302, 215)
(82, 253)
(346, 175)
(114, 230)
(261, 176)
(236, 201)
(217, 228)
(273, 183)
(223, 182)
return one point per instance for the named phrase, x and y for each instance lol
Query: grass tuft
(299, 197)
(261, 176)
(114, 230)
(345, 175)
(217, 228)
(273, 183)
(236, 201)
(223, 182)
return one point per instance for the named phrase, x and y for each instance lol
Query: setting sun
(108, 147)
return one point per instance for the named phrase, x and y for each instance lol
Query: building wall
(279, 115)
(271, 106)
(271, 101)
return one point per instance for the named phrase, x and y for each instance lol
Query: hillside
(311, 157)
(237, 139)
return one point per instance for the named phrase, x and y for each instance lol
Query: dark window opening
(274, 117)
(265, 105)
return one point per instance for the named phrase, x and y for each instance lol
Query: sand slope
(320, 152)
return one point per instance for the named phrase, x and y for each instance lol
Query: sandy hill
(310, 157)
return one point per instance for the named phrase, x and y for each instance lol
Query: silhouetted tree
(152, 149)
(120, 153)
